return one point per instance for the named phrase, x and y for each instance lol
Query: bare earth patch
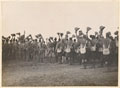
(46, 74)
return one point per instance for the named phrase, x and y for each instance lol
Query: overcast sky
(48, 18)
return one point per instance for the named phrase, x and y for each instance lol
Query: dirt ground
(54, 74)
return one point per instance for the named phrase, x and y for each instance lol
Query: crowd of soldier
(78, 48)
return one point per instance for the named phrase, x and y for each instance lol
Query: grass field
(53, 74)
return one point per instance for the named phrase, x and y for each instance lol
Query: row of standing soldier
(95, 49)
(26, 49)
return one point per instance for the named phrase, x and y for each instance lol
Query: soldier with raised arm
(106, 50)
(93, 50)
(100, 45)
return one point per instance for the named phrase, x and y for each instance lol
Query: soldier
(26, 50)
(83, 39)
(6, 48)
(64, 52)
(88, 46)
(31, 50)
(35, 50)
(88, 51)
(16, 49)
(112, 50)
(93, 50)
(83, 43)
(69, 50)
(79, 39)
(13, 46)
(75, 53)
(54, 44)
(19, 50)
(39, 56)
(10, 49)
(13, 50)
(39, 52)
(77, 44)
(23, 51)
(116, 47)
(50, 50)
(42, 48)
(60, 48)
(3, 47)
(99, 45)
(106, 50)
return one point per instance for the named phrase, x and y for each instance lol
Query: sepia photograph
(59, 43)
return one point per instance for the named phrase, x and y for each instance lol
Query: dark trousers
(83, 59)
(59, 56)
(93, 58)
(106, 60)
(99, 57)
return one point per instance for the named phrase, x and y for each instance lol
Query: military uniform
(106, 51)
(93, 51)
(60, 50)
(50, 48)
(116, 49)
(82, 42)
(69, 50)
(99, 47)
